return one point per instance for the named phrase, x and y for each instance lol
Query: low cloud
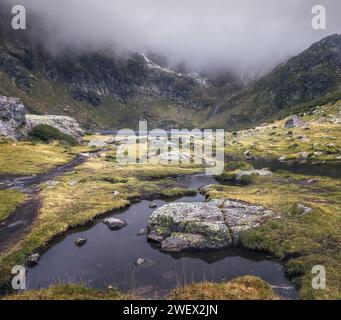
(239, 35)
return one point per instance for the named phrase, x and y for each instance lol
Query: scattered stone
(205, 189)
(282, 158)
(33, 260)
(153, 205)
(202, 226)
(154, 237)
(81, 242)
(265, 172)
(304, 155)
(144, 262)
(142, 232)
(303, 209)
(115, 193)
(73, 182)
(310, 181)
(330, 145)
(294, 122)
(51, 184)
(248, 155)
(114, 223)
(338, 158)
(97, 144)
(15, 224)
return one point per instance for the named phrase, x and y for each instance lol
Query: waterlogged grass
(301, 240)
(320, 137)
(243, 288)
(93, 189)
(23, 158)
(9, 200)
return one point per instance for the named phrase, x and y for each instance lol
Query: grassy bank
(243, 288)
(318, 139)
(24, 158)
(9, 200)
(301, 240)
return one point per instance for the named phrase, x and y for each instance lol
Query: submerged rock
(33, 260)
(114, 223)
(142, 232)
(153, 205)
(203, 226)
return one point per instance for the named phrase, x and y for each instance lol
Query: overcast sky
(239, 34)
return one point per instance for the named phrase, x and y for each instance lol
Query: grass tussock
(243, 288)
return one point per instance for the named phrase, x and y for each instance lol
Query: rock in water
(144, 262)
(33, 260)
(203, 226)
(12, 117)
(81, 242)
(294, 122)
(115, 224)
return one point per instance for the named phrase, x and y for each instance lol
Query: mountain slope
(311, 78)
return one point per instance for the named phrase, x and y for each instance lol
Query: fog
(239, 35)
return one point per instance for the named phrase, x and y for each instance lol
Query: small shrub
(47, 133)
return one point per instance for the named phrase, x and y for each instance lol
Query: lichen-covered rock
(203, 226)
(12, 117)
(64, 124)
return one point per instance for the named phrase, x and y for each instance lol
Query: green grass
(299, 241)
(9, 200)
(274, 140)
(243, 288)
(24, 158)
(70, 292)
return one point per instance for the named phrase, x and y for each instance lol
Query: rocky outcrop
(215, 224)
(64, 124)
(12, 117)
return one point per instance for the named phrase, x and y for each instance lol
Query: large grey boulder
(293, 122)
(64, 124)
(209, 225)
(12, 117)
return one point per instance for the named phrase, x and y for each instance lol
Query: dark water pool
(108, 258)
(330, 169)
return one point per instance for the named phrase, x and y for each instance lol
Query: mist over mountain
(247, 38)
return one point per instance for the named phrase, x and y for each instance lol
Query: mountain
(103, 90)
(311, 78)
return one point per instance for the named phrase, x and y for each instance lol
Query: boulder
(294, 122)
(33, 260)
(144, 262)
(81, 242)
(114, 223)
(153, 205)
(64, 124)
(12, 117)
(209, 225)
